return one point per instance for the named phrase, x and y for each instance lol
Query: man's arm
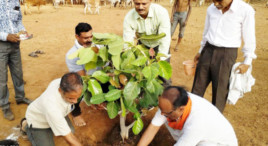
(249, 38)
(148, 135)
(72, 140)
(164, 27)
(188, 13)
(128, 31)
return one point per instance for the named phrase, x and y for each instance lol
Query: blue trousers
(10, 57)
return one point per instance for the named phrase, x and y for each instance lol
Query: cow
(88, 6)
(57, 2)
(29, 3)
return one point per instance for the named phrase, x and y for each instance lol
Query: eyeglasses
(169, 113)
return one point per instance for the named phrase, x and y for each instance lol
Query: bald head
(176, 95)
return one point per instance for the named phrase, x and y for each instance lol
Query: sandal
(23, 124)
(33, 54)
(39, 52)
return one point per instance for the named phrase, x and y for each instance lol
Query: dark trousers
(10, 56)
(215, 65)
(44, 137)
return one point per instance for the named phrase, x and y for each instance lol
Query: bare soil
(53, 32)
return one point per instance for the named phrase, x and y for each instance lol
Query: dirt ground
(53, 32)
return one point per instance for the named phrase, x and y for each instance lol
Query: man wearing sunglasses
(191, 120)
(228, 23)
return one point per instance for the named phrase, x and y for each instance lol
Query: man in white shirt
(48, 114)
(191, 121)
(227, 23)
(148, 18)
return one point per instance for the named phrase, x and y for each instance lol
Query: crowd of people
(190, 119)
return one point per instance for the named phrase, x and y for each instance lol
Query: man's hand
(242, 68)
(72, 140)
(79, 121)
(196, 58)
(14, 38)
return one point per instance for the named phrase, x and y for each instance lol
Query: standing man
(190, 119)
(10, 26)
(148, 18)
(48, 114)
(227, 23)
(181, 11)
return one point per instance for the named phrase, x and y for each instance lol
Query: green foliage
(133, 76)
(138, 126)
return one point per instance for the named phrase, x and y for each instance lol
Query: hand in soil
(79, 121)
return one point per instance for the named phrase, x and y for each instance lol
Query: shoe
(24, 101)
(8, 114)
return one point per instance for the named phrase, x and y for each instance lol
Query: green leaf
(97, 99)
(141, 50)
(101, 76)
(113, 95)
(132, 108)
(111, 87)
(148, 100)
(103, 53)
(87, 98)
(138, 126)
(131, 90)
(116, 61)
(86, 55)
(112, 109)
(75, 54)
(141, 60)
(123, 109)
(150, 87)
(90, 65)
(159, 55)
(94, 87)
(150, 72)
(158, 88)
(116, 46)
(165, 69)
(128, 57)
(103, 38)
(153, 37)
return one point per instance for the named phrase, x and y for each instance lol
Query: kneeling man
(191, 120)
(48, 114)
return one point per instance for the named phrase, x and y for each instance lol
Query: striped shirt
(10, 18)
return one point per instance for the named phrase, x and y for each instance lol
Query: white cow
(57, 2)
(200, 3)
(88, 6)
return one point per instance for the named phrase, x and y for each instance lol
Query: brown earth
(53, 32)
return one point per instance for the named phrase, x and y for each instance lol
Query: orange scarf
(179, 123)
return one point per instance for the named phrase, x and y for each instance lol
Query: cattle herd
(96, 4)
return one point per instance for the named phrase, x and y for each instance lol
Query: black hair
(82, 27)
(179, 99)
(71, 82)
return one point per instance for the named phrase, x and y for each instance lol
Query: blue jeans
(178, 17)
(10, 56)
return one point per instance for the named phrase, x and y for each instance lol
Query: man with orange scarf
(191, 120)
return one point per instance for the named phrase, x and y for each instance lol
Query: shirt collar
(77, 45)
(150, 14)
(234, 6)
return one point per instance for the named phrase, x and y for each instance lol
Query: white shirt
(205, 125)
(228, 29)
(49, 111)
(239, 84)
(156, 22)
